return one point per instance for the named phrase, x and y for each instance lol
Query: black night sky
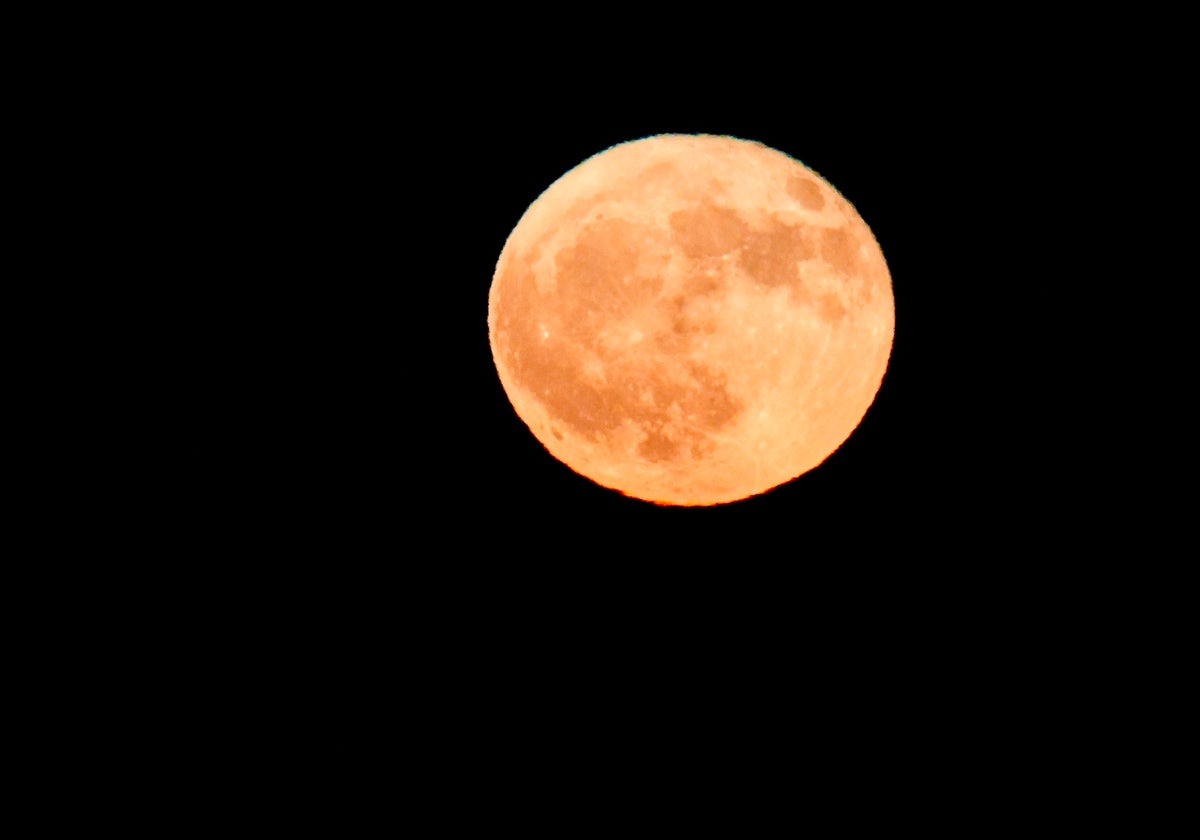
(363, 487)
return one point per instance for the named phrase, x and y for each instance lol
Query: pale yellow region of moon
(691, 319)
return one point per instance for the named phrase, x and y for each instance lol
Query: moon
(691, 319)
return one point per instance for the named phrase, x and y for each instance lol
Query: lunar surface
(691, 320)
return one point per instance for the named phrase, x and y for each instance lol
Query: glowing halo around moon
(691, 319)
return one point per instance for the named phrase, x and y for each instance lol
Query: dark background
(393, 555)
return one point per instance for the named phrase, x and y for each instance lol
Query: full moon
(691, 319)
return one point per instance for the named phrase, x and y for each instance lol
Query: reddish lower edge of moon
(691, 320)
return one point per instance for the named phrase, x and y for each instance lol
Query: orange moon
(691, 319)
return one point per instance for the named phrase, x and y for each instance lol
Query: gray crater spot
(806, 192)
(708, 230)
